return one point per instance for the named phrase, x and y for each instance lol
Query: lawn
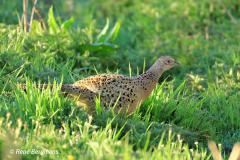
(69, 40)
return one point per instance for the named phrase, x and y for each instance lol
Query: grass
(193, 103)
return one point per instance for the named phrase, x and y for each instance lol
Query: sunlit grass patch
(42, 105)
(88, 141)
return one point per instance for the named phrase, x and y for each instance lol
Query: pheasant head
(163, 64)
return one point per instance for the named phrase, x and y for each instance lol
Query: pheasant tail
(67, 88)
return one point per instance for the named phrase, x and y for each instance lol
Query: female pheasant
(123, 92)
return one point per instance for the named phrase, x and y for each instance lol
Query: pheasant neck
(148, 82)
(149, 79)
(150, 76)
(154, 72)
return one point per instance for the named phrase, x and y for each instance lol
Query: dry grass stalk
(235, 154)
(25, 16)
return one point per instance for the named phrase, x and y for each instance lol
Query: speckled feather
(126, 93)
(122, 91)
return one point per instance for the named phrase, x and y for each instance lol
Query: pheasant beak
(177, 63)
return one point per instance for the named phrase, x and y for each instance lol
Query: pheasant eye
(167, 62)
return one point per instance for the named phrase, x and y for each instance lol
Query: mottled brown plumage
(126, 93)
